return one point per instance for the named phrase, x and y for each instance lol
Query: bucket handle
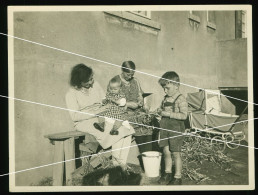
(151, 156)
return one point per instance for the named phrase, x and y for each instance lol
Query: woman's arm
(139, 102)
(132, 105)
(75, 112)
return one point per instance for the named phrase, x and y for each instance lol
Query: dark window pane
(211, 17)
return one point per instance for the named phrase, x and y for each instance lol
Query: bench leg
(58, 169)
(69, 150)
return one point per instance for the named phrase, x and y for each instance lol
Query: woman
(85, 96)
(134, 101)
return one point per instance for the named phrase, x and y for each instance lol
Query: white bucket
(151, 161)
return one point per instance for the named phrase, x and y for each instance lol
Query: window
(211, 16)
(194, 16)
(244, 20)
(194, 19)
(145, 14)
(241, 21)
(196, 13)
(211, 21)
(139, 20)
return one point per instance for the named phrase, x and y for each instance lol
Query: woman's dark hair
(128, 66)
(80, 73)
(169, 77)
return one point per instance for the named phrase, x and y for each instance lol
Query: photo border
(251, 151)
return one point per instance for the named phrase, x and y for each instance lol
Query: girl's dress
(115, 111)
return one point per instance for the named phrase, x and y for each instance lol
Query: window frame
(148, 16)
(243, 30)
(194, 17)
(128, 16)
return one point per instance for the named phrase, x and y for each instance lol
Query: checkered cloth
(115, 111)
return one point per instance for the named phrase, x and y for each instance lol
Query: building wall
(225, 22)
(232, 63)
(42, 74)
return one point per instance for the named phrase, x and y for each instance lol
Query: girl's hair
(171, 75)
(114, 80)
(80, 73)
(127, 65)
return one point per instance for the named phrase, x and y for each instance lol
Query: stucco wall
(225, 29)
(233, 63)
(42, 74)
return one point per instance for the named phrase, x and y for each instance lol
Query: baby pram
(205, 116)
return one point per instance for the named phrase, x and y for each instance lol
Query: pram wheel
(218, 143)
(231, 142)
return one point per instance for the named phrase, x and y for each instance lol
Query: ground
(236, 175)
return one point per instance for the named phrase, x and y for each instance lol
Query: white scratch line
(85, 156)
(94, 59)
(128, 146)
(47, 105)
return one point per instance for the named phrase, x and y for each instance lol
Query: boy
(173, 111)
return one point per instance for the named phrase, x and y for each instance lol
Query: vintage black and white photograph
(130, 98)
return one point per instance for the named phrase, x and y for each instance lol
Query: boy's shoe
(165, 178)
(99, 126)
(175, 181)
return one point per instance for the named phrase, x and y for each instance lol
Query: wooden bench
(64, 150)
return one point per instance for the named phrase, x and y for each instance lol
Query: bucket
(151, 162)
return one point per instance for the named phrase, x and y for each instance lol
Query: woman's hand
(132, 105)
(102, 109)
(104, 101)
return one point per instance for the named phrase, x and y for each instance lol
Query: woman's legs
(120, 150)
(124, 152)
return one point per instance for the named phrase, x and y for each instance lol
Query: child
(173, 111)
(116, 99)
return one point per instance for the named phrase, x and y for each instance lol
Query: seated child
(173, 112)
(116, 99)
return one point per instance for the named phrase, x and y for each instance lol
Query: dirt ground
(238, 175)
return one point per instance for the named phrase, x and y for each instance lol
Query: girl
(117, 110)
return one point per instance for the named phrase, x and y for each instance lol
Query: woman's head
(128, 69)
(81, 76)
